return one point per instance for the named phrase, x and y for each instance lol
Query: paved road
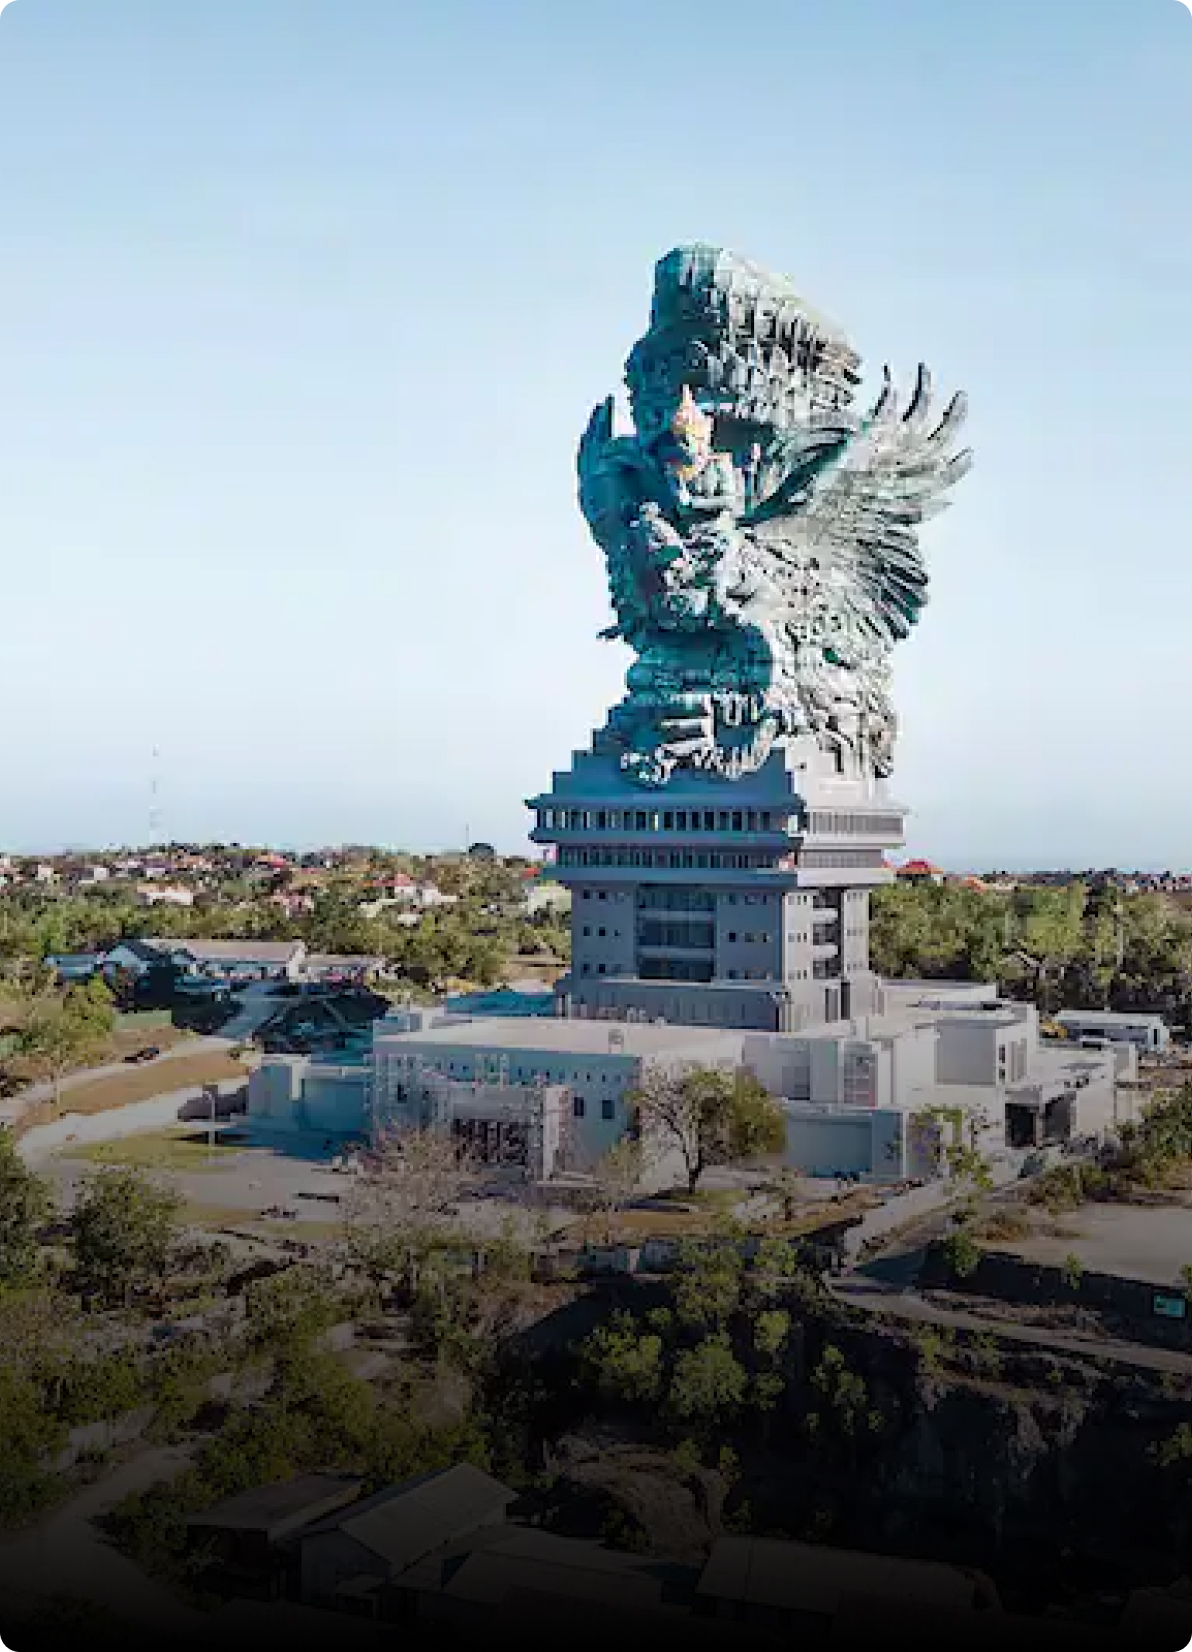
(884, 1284)
(890, 1299)
(255, 1008)
(65, 1554)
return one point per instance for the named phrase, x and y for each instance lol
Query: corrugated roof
(489, 1576)
(411, 1520)
(281, 1506)
(256, 952)
(805, 1577)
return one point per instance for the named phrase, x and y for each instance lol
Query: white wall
(966, 1051)
(913, 1061)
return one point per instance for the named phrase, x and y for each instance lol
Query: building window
(577, 1107)
(608, 1110)
(602, 933)
(732, 934)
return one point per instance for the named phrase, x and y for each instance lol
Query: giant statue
(760, 533)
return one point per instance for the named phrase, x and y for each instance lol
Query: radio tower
(155, 831)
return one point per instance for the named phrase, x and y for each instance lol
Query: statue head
(688, 438)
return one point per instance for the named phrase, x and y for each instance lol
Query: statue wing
(862, 510)
(599, 494)
(610, 488)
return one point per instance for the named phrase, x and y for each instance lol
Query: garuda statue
(760, 534)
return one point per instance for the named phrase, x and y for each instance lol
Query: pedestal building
(714, 902)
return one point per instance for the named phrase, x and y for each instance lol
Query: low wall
(1131, 1308)
(660, 1256)
(900, 1208)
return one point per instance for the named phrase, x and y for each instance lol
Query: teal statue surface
(760, 534)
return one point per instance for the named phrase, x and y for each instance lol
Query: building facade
(741, 904)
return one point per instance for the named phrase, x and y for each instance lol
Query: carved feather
(858, 513)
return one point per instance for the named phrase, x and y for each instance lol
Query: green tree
(709, 1383)
(844, 1399)
(709, 1115)
(624, 1363)
(961, 1252)
(124, 1228)
(92, 1005)
(62, 1033)
(25, 1208)
(706, 1285)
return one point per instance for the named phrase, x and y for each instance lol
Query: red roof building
(920, 869)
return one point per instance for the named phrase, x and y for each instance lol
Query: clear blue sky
(304, 304)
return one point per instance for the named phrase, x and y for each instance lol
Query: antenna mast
(155, 831)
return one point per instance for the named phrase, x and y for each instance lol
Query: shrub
(962, 1253)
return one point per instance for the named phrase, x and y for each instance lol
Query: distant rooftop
(263, 952)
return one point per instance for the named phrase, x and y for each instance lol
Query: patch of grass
(102, 1095)
(1004, 1224)
(220, 1218)
(162, 1150)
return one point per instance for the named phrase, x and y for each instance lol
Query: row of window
(479, 1070)
(684, 969)
(658, 820)
(692, 935)
(851, 825)
(698, 970)
(824, 859)
(675, 859)
(673, 900)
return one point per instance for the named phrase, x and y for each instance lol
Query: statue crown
(690, 418)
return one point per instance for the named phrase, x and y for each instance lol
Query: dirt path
(67, 1556)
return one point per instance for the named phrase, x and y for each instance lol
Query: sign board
(1171, 1307)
